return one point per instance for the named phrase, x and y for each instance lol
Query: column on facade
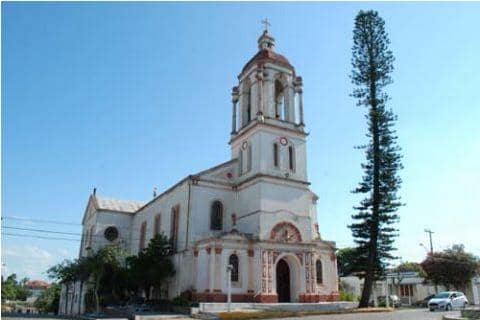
(252, 277)
(299, 90)
(259, 77)
(195, 270)
(235, 97)
(269, 93)
(218, 270)
(211, 266)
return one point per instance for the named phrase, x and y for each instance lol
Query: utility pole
(229, 287)
(430, 232)
(430, 236)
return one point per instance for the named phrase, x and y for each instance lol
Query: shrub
(347, 296)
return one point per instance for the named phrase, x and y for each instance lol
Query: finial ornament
(266, 24)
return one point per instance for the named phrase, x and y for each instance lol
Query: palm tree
(96, 265)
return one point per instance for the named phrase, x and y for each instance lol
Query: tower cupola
(266, 42)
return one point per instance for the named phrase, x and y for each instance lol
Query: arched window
(174, 221)
(249, 106)
(216, 216)
(318, 266)
(249, 158)
(233, 261)
(90, 236)
(279, 100)
(156, 225)
(291, 158)
(240, 162)
(275, 155)
(143, 230)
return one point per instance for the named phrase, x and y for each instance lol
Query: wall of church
(95, 225)
(329, 284)
(123, 223)
(262, 143)
(202, 199)
(162, 206)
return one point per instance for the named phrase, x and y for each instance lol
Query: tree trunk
(66, 299)
(97, 298)
(80, 298)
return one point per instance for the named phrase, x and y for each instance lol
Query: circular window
(111, 233)
(283, 141)
(244, 145)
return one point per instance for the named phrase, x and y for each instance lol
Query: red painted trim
(266, 298)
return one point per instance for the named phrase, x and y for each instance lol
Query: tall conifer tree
(372, 228)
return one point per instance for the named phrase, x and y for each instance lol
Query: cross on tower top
(266, 24)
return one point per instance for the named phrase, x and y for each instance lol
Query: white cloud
(30, 260)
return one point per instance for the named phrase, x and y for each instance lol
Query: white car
(448, 300)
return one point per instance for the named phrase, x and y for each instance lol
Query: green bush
(181, 301)
(347, 296)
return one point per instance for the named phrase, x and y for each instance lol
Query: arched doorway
(283, 281)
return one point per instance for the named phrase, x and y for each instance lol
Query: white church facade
(255, 212)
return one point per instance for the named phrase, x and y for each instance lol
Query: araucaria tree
(372, 228)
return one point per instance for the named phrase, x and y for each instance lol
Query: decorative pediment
(285, 232)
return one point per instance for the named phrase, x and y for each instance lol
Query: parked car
(424, 302)
(448, 300)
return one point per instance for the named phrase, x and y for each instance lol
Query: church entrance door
(283, 281)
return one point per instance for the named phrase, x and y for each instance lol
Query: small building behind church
(255, 211)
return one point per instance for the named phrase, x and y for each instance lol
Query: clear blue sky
(128, 96)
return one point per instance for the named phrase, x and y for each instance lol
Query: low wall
(211, 307)
(471, 313)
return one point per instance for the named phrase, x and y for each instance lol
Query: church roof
(263, 56)
(266, 53)
(117, 205)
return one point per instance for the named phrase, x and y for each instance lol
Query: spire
(266, 42)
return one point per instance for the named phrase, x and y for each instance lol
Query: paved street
(407, 314)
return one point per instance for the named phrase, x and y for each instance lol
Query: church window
(156, 225)
(216, 216)
(279, 100)
(249, 106)
(90, 236)
(240, 162)
(291, 158)
(143, 230)
(318, 266)
(174, 226)
(249, 158)
(86, 240)
(233, 261)
(275, 155)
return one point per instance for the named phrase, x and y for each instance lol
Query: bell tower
(268, 136)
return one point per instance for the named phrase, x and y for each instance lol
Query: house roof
(37, 284)
(117, 205)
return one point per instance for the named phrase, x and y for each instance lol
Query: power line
(38, 237)
(41, 230)
(41, 221)
(100, 236)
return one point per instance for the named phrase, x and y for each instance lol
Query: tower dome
(266, 53)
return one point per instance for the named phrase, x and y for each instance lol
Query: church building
(255, 212)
